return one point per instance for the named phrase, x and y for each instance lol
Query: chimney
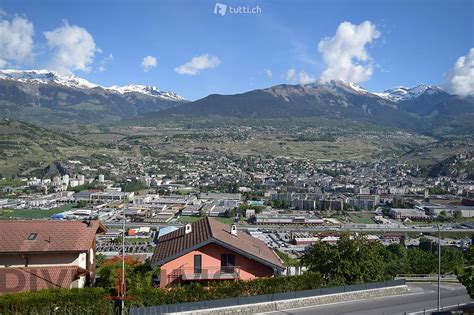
(188, 229)
(233, 229)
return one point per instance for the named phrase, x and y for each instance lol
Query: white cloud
(74, 48)
(198, 63)
(345, 53)
(305, 78)
(461, 77)
(105, 61)
(268, 73)
(290, 75)
(16, 41)
(148, 63)
(301, 77)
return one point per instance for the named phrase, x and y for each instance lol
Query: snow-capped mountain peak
(70, 80)
(134, 88)
(145, 89)
(349, 86)
(46, 77)
(402, 93)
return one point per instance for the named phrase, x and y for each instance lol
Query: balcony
(205, 273)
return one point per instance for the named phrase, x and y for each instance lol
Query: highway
(422, 298)
(299, 228)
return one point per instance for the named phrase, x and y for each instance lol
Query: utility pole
(439, 268)
(122, 284)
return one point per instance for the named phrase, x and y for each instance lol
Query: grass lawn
(434, 222)
(11, 182)
(225, 220)
(361, 220)
(191, 219)
(188, 191)
(31, 213)
(420, 223)
(464, 220)
(188, 219)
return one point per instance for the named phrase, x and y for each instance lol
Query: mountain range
(421, 108)
(49, 97)
(43, 96)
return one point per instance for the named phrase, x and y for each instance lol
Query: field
(189, 219)
(32, 213)
(360, 219)
(11, 183)
(317, 140)
(27, 148)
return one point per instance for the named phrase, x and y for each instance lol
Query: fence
(427, 278)
(201, 305)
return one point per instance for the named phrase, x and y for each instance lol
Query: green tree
(466, 275)
(443, 216)
(287, 260)
(350, 261)
(452, 260)
(81, 204)
(395, 257)
(426, 245)
(421, 262)
(134, 186)
(457, 214)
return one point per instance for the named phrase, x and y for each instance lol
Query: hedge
(60, 301)
(148, 296)
(96, 300)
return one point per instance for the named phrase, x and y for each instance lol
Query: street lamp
(439, 268)
(122, 284)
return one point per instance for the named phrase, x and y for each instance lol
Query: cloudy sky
(195, 49)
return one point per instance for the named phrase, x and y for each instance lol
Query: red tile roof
(27, 279)
(208, 230)
(52, 236)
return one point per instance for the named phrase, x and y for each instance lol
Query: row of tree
(358, 260)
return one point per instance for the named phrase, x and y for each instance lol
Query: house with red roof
(208, 250)
(36, 255)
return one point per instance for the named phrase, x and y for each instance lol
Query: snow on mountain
(341, 84)
(70, 80)
(145, 89)
(348, 86)
(396, 94)
(45, 77)
(402, 93)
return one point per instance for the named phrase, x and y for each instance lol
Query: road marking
(342, 302)
(435, 309)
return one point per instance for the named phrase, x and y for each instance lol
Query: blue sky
(402, 43)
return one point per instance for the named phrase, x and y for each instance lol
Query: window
(197, 263)
(32, 236)
(91, 256)
(227, 263)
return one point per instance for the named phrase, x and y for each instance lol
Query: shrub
(68, 301)
(95, 300)
(147, 296)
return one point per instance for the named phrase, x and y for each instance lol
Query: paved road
(338, 229)
(118, 225)
(420, 297)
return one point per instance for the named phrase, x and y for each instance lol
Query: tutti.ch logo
(223, 9)
(220, 8)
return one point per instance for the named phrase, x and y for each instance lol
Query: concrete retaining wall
(277, 301)
(301, 302)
